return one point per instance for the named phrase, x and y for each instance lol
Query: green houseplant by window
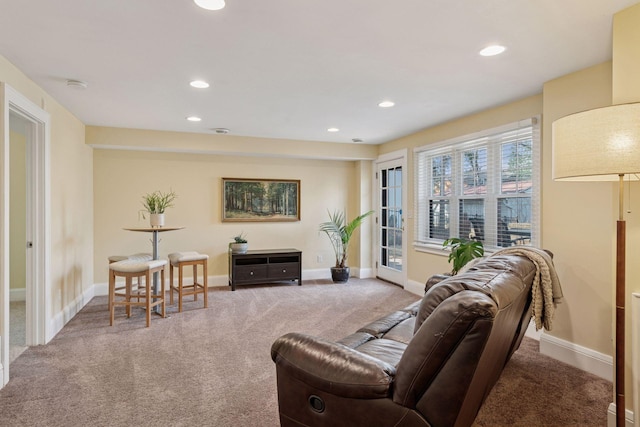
(340, 232)
(155, 204)
(462, 251)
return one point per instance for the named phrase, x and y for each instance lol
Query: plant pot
(340, 274)
(239, 248)
(156, 220)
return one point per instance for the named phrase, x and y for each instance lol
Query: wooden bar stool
(130, 269)
(135, 257)
(181, 260)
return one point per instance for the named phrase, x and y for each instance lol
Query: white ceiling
(293, 68)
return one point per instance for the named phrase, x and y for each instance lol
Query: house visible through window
(482, 186)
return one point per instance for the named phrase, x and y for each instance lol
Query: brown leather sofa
(430, 364)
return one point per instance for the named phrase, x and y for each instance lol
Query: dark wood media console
(265, 266)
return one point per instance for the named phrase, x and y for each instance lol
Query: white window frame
(455, 147)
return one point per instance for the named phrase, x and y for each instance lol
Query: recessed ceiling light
(386, 104)
(492, 50)
(194, 119)
(200, 84)
(333, 130)
(210, 4)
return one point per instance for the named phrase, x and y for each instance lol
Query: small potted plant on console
(239, 244)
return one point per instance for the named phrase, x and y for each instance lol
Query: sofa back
(466, 329)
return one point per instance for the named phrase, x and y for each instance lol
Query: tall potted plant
(339, 232)
(155, 204)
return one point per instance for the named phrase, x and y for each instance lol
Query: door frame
(401, 156)
(38, 275)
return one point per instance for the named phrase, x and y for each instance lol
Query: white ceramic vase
(239, 248)
(157, 220)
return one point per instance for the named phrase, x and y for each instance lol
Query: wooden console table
(265, 266)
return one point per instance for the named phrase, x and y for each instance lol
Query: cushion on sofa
(356, 339)
(381, 326)
(403, 331)
(388, 351)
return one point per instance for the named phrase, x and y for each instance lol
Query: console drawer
(283, 270)
(250, 272)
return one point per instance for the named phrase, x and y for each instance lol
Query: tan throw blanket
(546, 291)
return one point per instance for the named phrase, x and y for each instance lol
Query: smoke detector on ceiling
(77, 84)
(221, 131)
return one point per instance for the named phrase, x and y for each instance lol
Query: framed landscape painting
(260, 200)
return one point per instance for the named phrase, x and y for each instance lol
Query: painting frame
(260, 200)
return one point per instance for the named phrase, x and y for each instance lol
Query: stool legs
(112, 286)
(151, 299)
(147, 300)
(186, 290)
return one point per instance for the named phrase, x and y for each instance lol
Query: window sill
(431, 248)
(435, 249)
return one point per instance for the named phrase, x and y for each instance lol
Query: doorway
(24, 126)
(391, 232)
(18, 130)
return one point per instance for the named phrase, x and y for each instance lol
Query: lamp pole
(620, 304)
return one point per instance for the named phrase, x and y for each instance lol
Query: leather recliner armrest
(331, 367)
(434, 280)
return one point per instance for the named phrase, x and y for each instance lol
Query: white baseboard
(415, 287)
(583, 358)
(316, 274)
(363, 273)
(102, 289)
(611, 416)
(62, 318)
(531, 331)
(18, 294)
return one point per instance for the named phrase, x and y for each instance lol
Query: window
(482, 186)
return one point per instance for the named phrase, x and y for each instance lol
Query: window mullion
(493, 189)
(499, 201)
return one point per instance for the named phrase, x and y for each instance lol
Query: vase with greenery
(240, 245)
(462, 251)
(155, 204)
(340, 232)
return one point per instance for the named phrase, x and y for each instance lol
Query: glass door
(390, 222)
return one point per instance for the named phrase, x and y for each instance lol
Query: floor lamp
(603, 145)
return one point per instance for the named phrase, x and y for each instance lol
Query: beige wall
(422, 265)
(122, 177)
(71, 194)
(578, 220)
(181, 142)
(626, 88)
(626, 55)
(17, 214)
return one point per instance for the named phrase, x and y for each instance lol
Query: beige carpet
(213, 367)
(17, 331)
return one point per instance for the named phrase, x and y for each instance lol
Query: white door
(26, 118)
(391, 235)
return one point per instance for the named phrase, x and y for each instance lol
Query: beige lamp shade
(597, 145)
